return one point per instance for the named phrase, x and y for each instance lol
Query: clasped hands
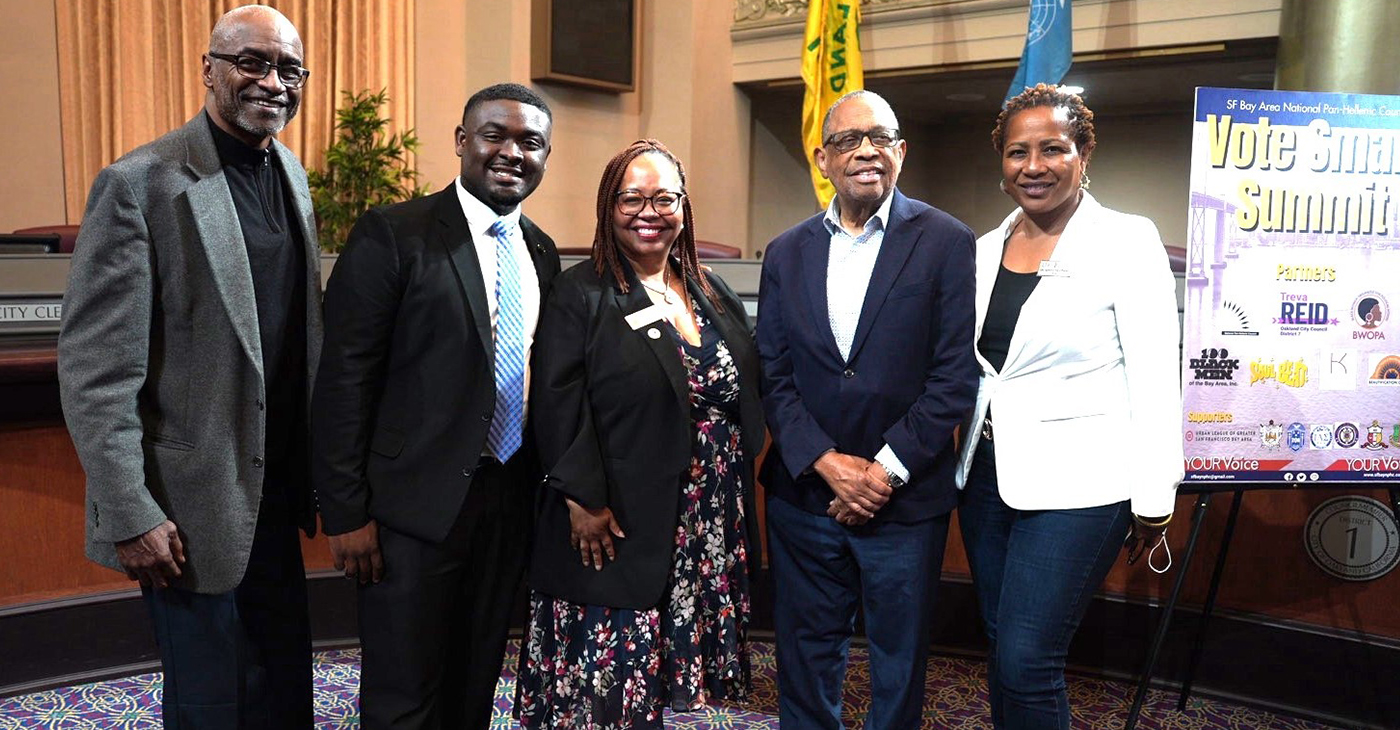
(861, 487)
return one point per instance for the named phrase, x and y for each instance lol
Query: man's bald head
(243, 42)
(872, 99)
(226, 34)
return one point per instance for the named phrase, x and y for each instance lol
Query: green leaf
(364, 168)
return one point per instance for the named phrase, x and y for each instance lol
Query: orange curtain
(129, 72)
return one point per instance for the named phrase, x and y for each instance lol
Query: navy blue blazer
(911, 376)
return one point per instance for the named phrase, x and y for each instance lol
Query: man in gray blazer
(191, 332)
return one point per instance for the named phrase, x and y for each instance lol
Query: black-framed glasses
(664, 202)
(878, 136)
(252, 67)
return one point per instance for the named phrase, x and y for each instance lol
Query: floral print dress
(604, 668)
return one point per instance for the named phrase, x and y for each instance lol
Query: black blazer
(611, 415)
(405, 392)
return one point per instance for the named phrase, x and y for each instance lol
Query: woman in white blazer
(1075, 440)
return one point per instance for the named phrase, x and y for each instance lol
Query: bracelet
(1145, 523)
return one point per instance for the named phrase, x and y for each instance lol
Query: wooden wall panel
(1269, 573)
(41, 520)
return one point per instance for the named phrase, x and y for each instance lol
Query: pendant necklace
(665, 290)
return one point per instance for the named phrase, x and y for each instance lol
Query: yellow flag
(831, 67)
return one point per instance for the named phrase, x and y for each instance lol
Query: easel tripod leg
(1215, 576)
(1197, 519)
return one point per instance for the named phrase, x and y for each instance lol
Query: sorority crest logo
(1346, 435)
(1375, 437)
(1353, 538)
(1297, 435)
(1321, 436)
(1370, 310)
(1271, 434)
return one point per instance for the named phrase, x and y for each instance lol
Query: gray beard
(249, 120)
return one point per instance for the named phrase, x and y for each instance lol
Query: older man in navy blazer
(865, 335)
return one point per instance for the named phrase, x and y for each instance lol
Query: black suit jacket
(911, 376)
(611, 415)
(405, 392)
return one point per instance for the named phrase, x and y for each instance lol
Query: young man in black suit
(422, 466)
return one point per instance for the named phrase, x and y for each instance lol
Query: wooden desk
(42, 488)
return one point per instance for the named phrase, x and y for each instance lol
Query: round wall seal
(1353, 538)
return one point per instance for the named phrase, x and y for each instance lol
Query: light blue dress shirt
(849, 264)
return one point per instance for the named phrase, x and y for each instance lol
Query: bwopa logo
(1370, 310)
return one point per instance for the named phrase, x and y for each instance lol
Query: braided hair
(607, 253)
(1081, 120)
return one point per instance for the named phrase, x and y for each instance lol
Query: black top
(277, 260)
(1009, 293)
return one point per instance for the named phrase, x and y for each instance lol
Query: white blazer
(1087, 408)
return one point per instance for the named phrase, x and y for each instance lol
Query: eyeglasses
(252, 67)
(665, 202)
(847, 141)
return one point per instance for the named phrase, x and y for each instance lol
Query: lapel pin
(654, 333)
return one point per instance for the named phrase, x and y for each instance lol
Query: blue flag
(1049, 46)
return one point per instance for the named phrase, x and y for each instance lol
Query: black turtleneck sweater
(277, 260)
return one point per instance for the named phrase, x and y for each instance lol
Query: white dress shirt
(849, 264)
(480, 218)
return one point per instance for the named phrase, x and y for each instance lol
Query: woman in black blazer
(645, 407)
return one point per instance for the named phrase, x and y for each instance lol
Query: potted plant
(364, 168)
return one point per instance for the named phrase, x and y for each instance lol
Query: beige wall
(685, 98)
(903, 34)
(31, 184)
(1141, 166)
(747, 179)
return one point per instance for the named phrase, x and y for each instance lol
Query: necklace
(665, 290)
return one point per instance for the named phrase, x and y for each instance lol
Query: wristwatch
(892, 478)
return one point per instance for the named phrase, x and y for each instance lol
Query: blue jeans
(821, 573)
(1034, 573)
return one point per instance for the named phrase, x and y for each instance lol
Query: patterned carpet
(957, 699)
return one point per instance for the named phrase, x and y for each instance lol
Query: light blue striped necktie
(508, 423)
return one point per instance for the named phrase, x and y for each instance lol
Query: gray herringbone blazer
(159, 357)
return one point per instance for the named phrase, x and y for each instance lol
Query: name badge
(644, 317)
(1050, 267)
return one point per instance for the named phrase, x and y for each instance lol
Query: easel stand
(1198, 518)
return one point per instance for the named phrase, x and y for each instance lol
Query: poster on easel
(1291, 353)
